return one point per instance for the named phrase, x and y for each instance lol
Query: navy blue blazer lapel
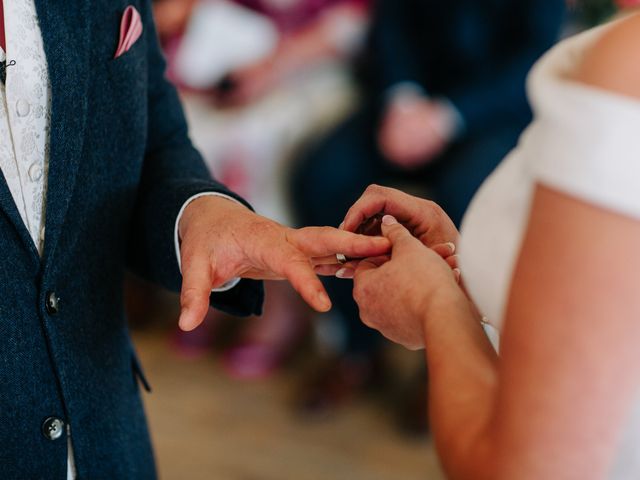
(66, 35)
(9, 208)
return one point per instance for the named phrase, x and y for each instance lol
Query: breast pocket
(130, 63)
(128, 80)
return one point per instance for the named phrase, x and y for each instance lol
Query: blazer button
(53, 428)
(52, 303)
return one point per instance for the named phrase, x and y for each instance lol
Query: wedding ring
(341, 259)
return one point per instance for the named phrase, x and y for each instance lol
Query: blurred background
(298, 105)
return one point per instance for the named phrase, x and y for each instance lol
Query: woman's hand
(424, 219)
(397, 295)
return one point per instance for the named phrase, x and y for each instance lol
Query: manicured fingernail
(457, 273)
(389, 220)
(341, 226)
(345, 273)
(452, 246)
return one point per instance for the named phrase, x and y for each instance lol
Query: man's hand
(414, 130)
(222, 240)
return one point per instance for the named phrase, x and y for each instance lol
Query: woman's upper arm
(571, 342)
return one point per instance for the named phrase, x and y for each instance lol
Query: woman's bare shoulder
(613, 62)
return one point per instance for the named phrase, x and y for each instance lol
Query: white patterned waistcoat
(25, 116)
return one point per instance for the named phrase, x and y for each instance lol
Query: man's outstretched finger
(321, 241)
(196, 289)
(303, 279)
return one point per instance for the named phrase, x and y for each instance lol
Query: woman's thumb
(393, 230)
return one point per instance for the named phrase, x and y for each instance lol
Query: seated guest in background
(172, 16)
(549, 254)
(311, 32)
(99, 175)
(444, 101)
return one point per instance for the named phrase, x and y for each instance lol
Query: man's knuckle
(357, 293)
(362, 293)
(366, 321)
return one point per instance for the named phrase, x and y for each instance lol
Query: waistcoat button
(52, 303)
(35, 172)
(53, 428)
(22, 108)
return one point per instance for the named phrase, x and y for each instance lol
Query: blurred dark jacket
(474, 52)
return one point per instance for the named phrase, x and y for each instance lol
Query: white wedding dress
(583, 141)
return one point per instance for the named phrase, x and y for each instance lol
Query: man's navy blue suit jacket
(121, 166)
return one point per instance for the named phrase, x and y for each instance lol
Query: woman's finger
(452, 261)
(326, 260)
(457, 275)
(383, 200)
(327, 270)
(371, 264)
(445, 250)
(396, 233)
(369, 204)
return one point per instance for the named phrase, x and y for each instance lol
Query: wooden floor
(206, 426)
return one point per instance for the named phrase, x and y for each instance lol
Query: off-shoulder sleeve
(585, 141)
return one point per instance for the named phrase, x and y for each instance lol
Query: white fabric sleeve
(585, 140)
(234, 281)
(590, 151)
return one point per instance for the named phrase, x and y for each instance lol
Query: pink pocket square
(130, 30)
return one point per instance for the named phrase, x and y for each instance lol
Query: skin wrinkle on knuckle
(188, 295)
(189, 248)
(291, 235)
(295, 266)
